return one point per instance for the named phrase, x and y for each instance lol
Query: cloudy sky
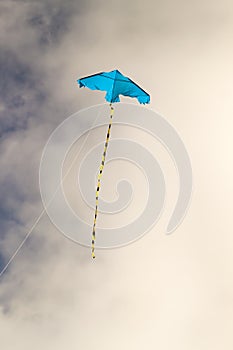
(166, 292)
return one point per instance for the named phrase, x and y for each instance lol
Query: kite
(115, 84)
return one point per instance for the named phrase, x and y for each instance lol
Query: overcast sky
(165, 292)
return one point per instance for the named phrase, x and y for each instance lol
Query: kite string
(49, 202)
(101, 168)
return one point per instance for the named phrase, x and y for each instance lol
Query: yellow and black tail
(98, 182)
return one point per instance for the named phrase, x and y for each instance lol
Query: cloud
(24, 105)
(165, 293)
(22, 91)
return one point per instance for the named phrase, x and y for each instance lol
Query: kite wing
(115, 84)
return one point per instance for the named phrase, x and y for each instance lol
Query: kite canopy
(115, 84)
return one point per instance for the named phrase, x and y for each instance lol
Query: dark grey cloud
(23, 95)
(21, 90)
(21, 56)
(51, 20)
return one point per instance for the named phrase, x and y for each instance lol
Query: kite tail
(98, 182)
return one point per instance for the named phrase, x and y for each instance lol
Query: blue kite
(115, 84)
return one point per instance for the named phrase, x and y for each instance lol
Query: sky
(166, 292)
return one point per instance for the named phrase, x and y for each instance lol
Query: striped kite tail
(98, 181)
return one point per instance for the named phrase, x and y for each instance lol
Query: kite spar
(115, 84)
